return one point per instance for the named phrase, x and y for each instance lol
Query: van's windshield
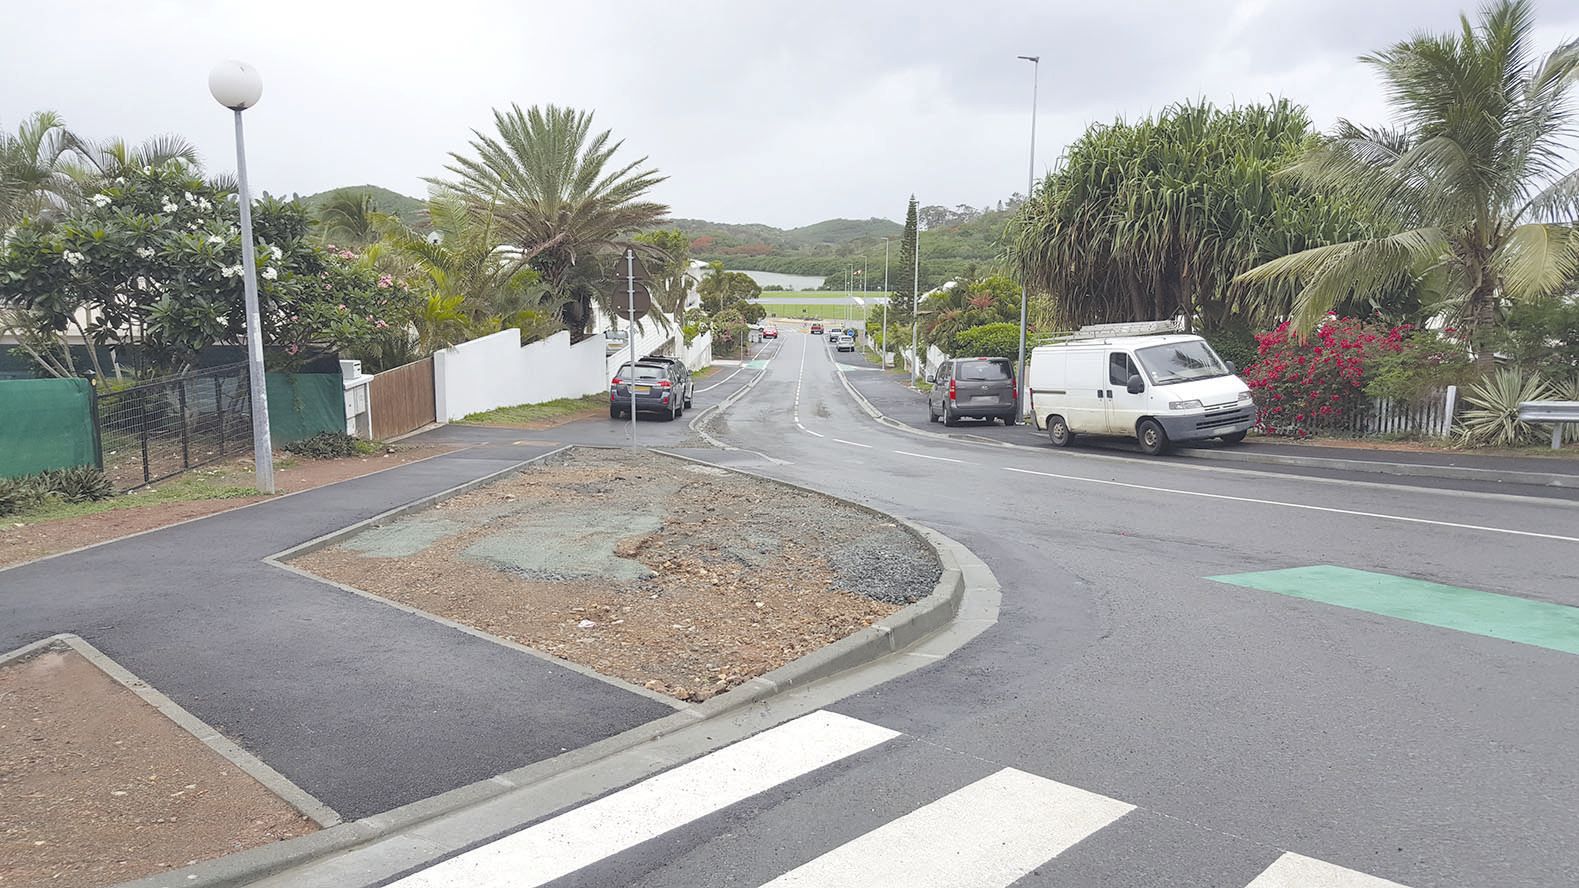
(1181, 362)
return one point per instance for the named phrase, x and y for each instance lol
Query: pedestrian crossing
(990, 833)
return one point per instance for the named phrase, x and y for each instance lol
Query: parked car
(1156, 389)
(770, 332)
(816, 329)
(982, 388)
(689, 385)
(846, 343)
(657, 387)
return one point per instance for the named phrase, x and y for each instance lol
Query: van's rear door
(984, 384)
(1086, 381)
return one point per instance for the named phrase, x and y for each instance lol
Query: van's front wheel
(1234, 438)
(1153, 440)
(1058, 431)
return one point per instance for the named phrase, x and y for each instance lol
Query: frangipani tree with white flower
(151, 264)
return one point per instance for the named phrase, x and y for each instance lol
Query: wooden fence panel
(402, 399)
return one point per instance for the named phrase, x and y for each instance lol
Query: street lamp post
(1030, 183)
(238, 86)
(915, 312)
(885, 303)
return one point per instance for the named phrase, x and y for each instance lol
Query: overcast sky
(778, 112)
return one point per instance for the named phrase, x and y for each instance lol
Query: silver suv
(982, 388)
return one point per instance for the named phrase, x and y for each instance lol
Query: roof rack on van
(1109, 331)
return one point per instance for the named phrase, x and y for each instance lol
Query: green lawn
(807, 295)
(535, 413)
(817, 311)
(198, 484)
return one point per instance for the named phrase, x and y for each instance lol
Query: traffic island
(682, 579)
(104, 779)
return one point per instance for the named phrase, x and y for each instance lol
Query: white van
(1156, 389)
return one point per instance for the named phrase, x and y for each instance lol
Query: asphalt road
(363, 706)
(1249, 729)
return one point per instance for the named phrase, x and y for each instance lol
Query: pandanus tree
(1153, 219)
(1472, 176)
(564, 203)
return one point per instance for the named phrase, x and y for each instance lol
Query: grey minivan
(983, 388)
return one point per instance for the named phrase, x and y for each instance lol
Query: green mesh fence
(45, 424)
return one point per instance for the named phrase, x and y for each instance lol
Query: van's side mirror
(931, 378)
(1232, 369)
(1136, 386)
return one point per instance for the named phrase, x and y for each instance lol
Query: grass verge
(548, 411)
(197, 484)
(812, 311)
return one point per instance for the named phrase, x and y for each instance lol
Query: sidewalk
(1557, 465)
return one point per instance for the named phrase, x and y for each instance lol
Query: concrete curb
(1369, 467)
(200, 730)
(963, 604)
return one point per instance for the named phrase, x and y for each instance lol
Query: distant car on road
(688, 385)
(973, 387)
(834, 334)
(657, 388)
(846, 342)
(816, 329)
(770, 332)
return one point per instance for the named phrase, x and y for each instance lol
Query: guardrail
(1558, 413)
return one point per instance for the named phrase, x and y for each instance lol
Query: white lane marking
(1306, 506)
(810, 432)
(852, 443)
(1294, 871)
(991, 833)
(555, 848)
(924, 456)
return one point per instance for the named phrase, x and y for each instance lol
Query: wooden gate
(402, 399)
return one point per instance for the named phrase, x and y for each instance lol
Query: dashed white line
(1306, 506)
(852, 443)
(925, 456)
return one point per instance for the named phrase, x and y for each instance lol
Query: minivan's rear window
(983, 371)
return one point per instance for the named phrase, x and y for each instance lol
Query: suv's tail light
(664, 383)
(616, 381)
(953, 392)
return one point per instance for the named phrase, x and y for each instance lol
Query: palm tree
(103, 161)
(561, 199)
(347, 218)
(473, 284)
(1471, 178)
(34, 168)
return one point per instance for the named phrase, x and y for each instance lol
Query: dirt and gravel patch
(683, 578)
(98, 787)
(205, 491)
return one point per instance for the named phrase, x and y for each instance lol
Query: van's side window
(1120, 367)
(944, 370)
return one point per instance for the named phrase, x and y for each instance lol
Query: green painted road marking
(1537, 623)
(756, 365)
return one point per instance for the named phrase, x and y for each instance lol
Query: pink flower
(385, 282)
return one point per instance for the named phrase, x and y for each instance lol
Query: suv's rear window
(983, 371)
(643, 371)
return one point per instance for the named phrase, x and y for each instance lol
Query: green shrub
(331, 445)
(1001, 340)
(1427, 364)
(1238, 346)
(1541, 334)
(1493, 417)
(75, 485)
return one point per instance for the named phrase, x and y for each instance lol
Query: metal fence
(163, 427)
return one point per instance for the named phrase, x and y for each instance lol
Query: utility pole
(1030, 183)
(915, 312)
(886, 294)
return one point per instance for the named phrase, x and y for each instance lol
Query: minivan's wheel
(1058, 431)
(949, 419)
(931, 417)
(1153, 440)
(1234, 438)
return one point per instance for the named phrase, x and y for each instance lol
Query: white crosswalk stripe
(558, 847)
(987, 834)
(1294, 871)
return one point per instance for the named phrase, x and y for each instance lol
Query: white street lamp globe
(236, 85)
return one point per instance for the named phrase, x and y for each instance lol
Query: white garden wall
(497, 371)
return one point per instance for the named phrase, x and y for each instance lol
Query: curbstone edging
(965, 581)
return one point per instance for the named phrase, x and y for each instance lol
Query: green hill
(409, 209)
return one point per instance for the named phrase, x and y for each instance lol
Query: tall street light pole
(885, 302)
(915, 312)
(1030, 183)
(238, 86)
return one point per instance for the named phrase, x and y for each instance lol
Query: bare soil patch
(98, 787)
(21, 540)
(682, 578)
